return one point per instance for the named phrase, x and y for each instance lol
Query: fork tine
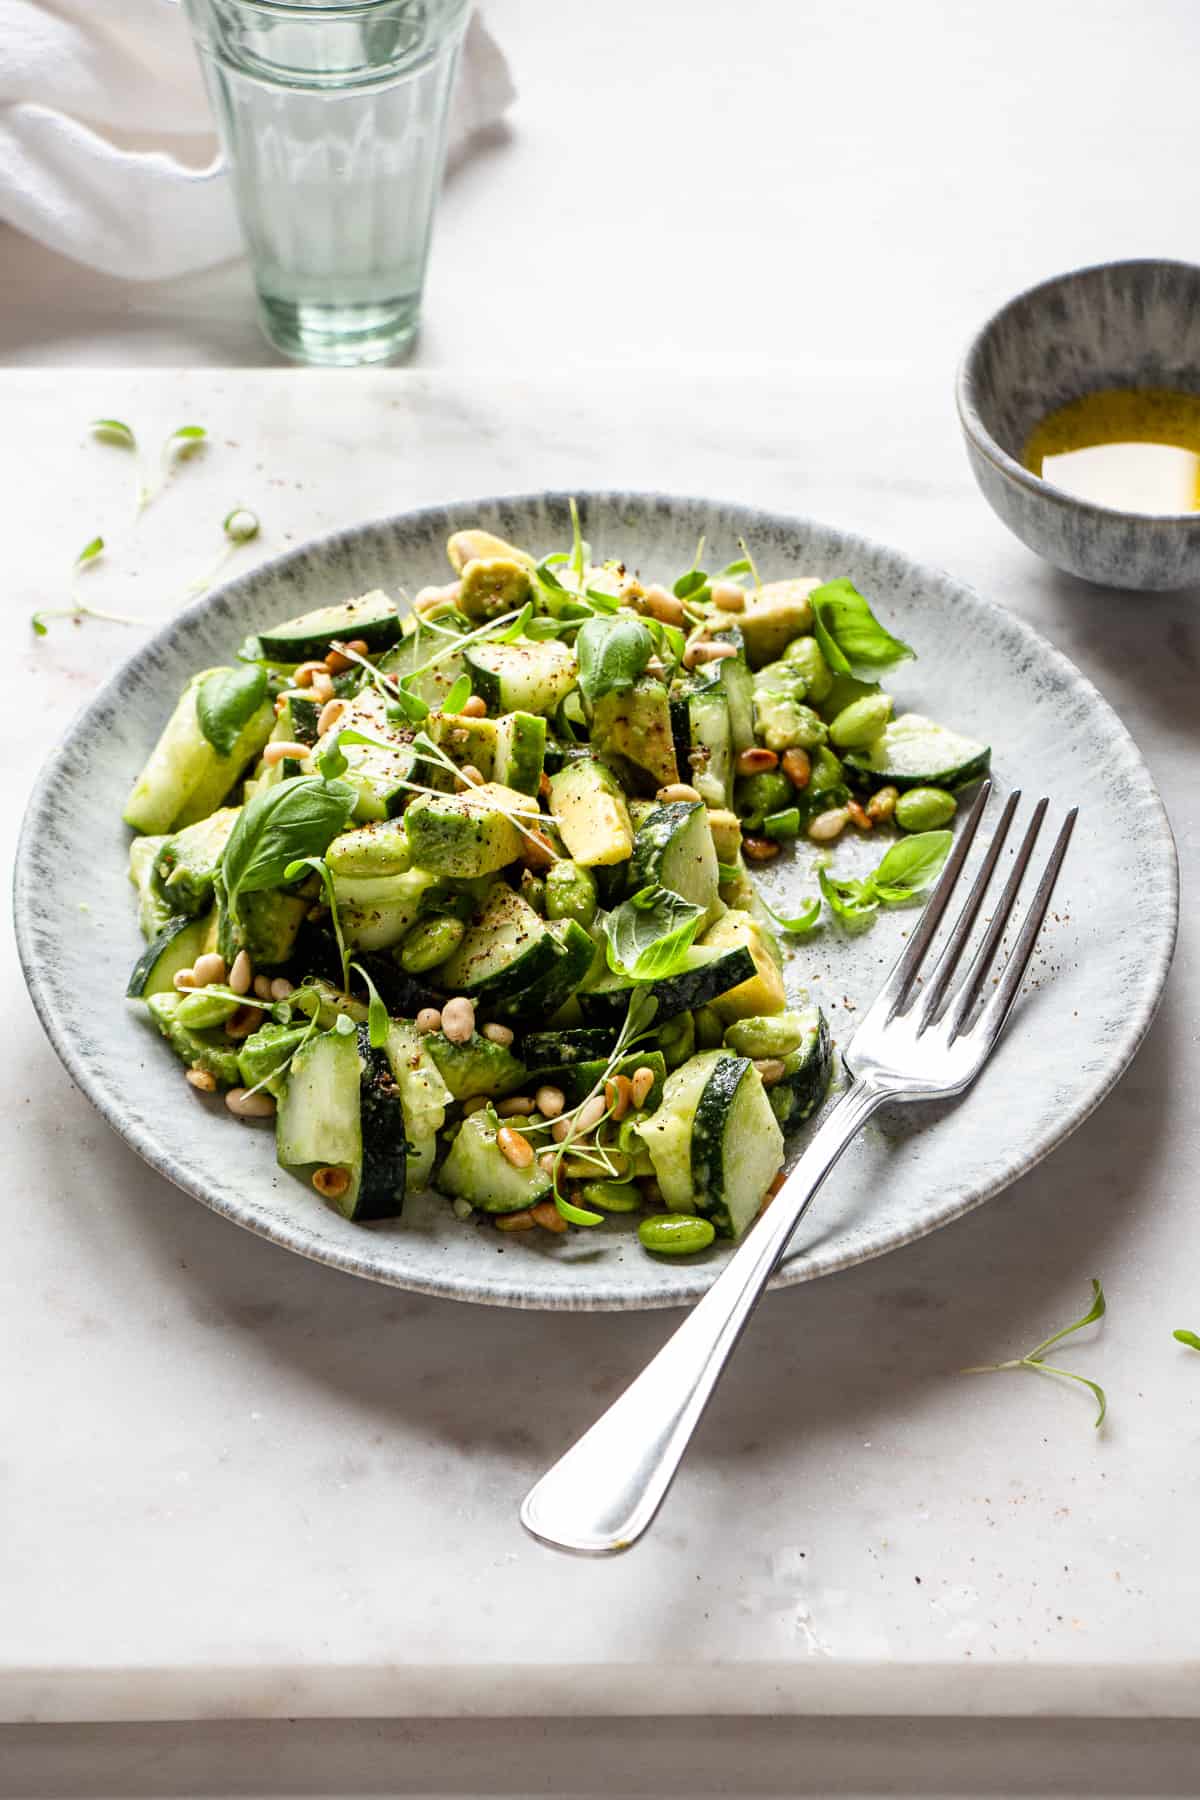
(981, 962)
(995, 1012)
(895, 989)
(930, 998)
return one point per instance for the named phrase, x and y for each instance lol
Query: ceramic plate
(1093, 990)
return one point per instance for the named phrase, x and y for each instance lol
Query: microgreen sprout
(79, 609)
(293, 872)
(1035, 1359)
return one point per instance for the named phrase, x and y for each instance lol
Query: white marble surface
(236, 1484)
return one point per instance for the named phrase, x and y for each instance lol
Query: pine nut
(550, 1101)
(756, 761)
(428, 1019)
(331, 712)
(676, 790)
(275, 753)
(859, 816)
(589, 1114)
(517, 1106)
(561, 1129)
(241, 974)
(281, 988)
(514, 1148)
(184, 980)
(706, 652)
(828, 825)
(760, 849)
(617, 1095)
(304, 674)
(797, 766)
(770, 1069)
(245, 1020)
(537, 851)
(458, 1020)
(548, 1216)
(280, 705)
(547, 1163)
(882, 805)
(475, 1104)
(473, 708)
(209, 967)
(470, 773)
(518, 1221)
(499, 1034)
(661, 605)
(337, 662)
(200, 1078)
(322, 687)
(245, 1105)
(728, 596)
(640, 1084)
(331, 1183)
(262, 986)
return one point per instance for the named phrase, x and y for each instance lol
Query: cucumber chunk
(507, 949)
(424, 1098)
(184, 778)
(737, 1146)
(478, 1171)
(372, 617)
(915, 752)
(317, 1124)
(384, 1135)
(477, 1067)
(176, 947)
(710, 970)
(674, 849)
(591, 812)
(522, 677)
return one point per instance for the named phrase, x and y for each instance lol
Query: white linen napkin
(107, 147)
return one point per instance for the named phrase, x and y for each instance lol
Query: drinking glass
(333, 118)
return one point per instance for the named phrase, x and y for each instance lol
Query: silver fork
(920, 1040)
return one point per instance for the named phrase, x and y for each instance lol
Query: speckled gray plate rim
(1093, 992)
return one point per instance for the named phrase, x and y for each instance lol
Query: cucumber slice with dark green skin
(505, 951)
(176, 947)
(477, 1171)
(915, 752)
(521, 677)
(556, 1049)
(384, 1139)
(737, 1146)
(303, 718)
(520, 751)
(733, 673)
(318, 1123)
(674, 849)
(542, 999)
(709, 972)
(373, 618)
(415, 648)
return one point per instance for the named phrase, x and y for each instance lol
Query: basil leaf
(843, 618)
(612, 654)
(690, 584)
(295, 819)
(225, 701)
(909, 866)
(853, 902)
(649, 936)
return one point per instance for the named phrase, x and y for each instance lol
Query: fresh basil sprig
(648, 936)
(281, 826)
(226, 700)
(904, 872)
(612, 654)
(850, 637)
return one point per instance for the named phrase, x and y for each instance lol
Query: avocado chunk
(632, 731)
(492, 585)
(781, 719)
(467, 834)
(477, 1067)
(463, 547)
(265, 926)
(265, 1052)
(207, 1050)
(764, 992)
(187, 863)
(377, 910)
(466, 741)
(591, 812)
(726, 832)
(779, 612)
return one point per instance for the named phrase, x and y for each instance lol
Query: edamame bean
(612, 1196)
(754, 796)
(571, 893)
(675, 1234)
(804, 654)
(925, 808)
(430, 942)
(200, 1010)
(860, 723)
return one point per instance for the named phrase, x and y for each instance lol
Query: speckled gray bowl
(1124, 324)
(1094, 987)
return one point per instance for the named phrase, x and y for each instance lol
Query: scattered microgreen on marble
(1035, 1359)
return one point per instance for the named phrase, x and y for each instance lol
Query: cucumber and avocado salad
(494, 932)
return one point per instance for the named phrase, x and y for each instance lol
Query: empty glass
(333, 118)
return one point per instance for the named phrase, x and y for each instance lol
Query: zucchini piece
(711, 970)
(377, 910)
(544, 997)
(184, 778)
(736, 1145)
(520, 751)
(556, 1049)
(468, 834)
(303, 718)
(476, 1067)
(763, 992)
(801, 1040)
(523, 676)
(506, 949)
(187, 863)
(674, 849)
(592, 816)
(384, 1135)
(914, 752)
(384, 770)
(417, 644)
(317, 1124)
(733, 672)
(154, 913)
(372, 617)
(631, 731)
(477, 1170)
(208, 1050)
(424, 1098)
(711, 756)
(176, 947)
(667, 1134)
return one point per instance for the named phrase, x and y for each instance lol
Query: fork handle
(601, 1496)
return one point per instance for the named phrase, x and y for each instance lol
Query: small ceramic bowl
(1123, 324)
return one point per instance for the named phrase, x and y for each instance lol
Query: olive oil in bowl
(1135, 449)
